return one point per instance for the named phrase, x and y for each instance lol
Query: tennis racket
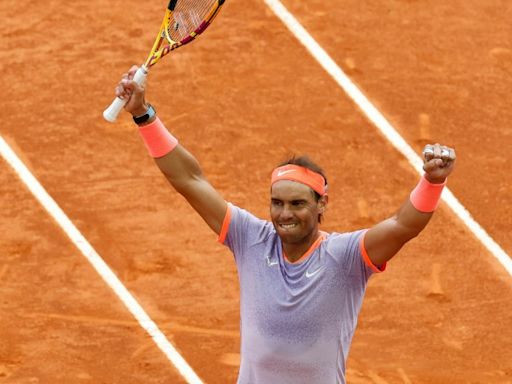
(184, 20)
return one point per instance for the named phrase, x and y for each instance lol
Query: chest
(271, 285)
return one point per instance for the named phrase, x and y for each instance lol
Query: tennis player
(301, 288)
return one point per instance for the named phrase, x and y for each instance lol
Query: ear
(322, 203)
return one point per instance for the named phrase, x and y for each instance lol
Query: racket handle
(110, 114)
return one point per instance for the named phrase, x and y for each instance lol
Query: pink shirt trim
(225, 225)
(367, 259)
(311, 249)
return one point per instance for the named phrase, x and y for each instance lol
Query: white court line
(384, 126)
(98, 263)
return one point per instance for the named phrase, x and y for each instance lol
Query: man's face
(294, 211)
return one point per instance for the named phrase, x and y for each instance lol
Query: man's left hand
(439, 161)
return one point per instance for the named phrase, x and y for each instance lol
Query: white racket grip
(110, 114)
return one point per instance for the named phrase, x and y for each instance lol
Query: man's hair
(306, 162)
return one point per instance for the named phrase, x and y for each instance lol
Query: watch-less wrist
(146, 116)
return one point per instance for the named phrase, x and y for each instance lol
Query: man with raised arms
(301, 288)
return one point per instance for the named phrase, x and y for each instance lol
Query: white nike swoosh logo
(271, 263)
(281, 173)
(311, 274)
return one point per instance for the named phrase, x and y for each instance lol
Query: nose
(286, 213)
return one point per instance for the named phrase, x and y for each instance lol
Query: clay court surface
(242, 98)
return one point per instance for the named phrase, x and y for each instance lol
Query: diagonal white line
(97, 262)
(384, 126)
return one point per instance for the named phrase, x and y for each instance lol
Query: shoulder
(348, 249)
(339, 244)
(242, 215)
(241, 221)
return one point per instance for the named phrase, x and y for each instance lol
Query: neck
(294, 251)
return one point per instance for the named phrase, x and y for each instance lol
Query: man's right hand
(127, 89)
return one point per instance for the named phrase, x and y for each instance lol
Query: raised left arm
(386, 238)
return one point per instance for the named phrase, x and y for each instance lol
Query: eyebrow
(291, 201)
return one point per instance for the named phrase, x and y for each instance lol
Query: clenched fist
(439, 161)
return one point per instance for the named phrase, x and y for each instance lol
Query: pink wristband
(425, 197)
(157, 139)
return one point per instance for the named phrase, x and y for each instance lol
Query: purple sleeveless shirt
(297, 319)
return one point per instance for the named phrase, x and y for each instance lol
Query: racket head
(184, 20)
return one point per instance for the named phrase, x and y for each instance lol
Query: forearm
(409, 221)
(417, 210)
(176, 163)
(386, 238)
(183, 172)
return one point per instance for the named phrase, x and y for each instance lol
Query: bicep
(382, 242)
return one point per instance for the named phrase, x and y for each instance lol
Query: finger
(129, 84)
(119, 90)
(123, 93)
(453, 155)
(428, 152)
(125, 88)
(432, 165)
(448, 156)
(131, 71)
(445, 153)
(437, 151)
(445, 156)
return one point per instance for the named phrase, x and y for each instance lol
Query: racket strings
(188, 16)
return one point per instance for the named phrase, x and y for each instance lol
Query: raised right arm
(178, 165)
(183, 172)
